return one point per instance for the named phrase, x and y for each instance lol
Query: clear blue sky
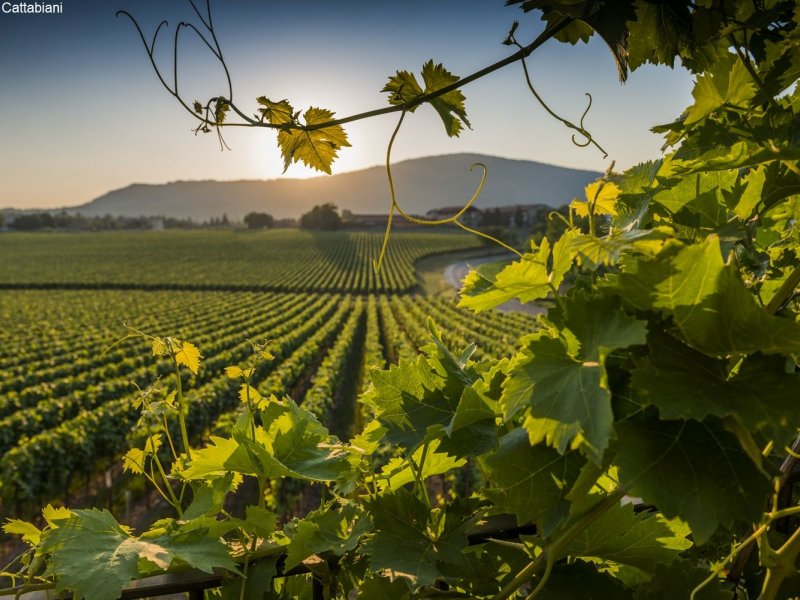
(83, 112)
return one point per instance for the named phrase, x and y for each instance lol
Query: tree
(324, 217)
(257, 220)
(668, 372)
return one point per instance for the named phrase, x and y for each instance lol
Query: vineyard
(317, 431)
(67, 396)
(280, 260)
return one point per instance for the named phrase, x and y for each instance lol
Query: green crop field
(67, 396)
(280, 260)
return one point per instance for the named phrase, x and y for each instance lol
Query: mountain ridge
(421, 183)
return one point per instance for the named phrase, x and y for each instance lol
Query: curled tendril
(580, 129)
(395, 207)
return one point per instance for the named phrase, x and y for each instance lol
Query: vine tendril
(395, 206)
(580, 129)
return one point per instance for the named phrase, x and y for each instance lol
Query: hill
(421, 183)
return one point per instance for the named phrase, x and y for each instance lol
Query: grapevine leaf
(752, 194)
(93, 556)
(532, 482)
(450, 106)
(727, 82)
(678, 580)
(565, 386)
(403, 87)
(316, 148)
(603, 194)
(293, 444)
(326, 530)
(691, 470)
(659, 33)
(397, 472)
(416, 542)
(257, 585)
(197, 548)
(29, 532)
(133, 461)
(593, 251)
(622, 537)
(233, 372)
(277, 113)
(582, 581)
(599, 324)
(570, 393)
(159, 347)
(526, 279)
(53, 515)
(260, 521)
(708, 301)
(686, 384)
(209, 462)
(381, 587)
(418, 401)
(188, 355)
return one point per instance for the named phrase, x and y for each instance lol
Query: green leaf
(752, 194)
(316, 148)
(450, 106)
(334, 530)
(572, 394)
(403, 87)
(382, 587)
(260, 521)
(678, 580)
(686, 384)
(691, 470)
(417, 543)
(727, 82)
(658, 34)
(29, 532)
(708, 301)
(622, 537)
(526, 279)
(599, 325)
(277, 113)
(532, 482)
(397, 472)
(209, 462)
(419, 401)
(582, 581)
(94, 557)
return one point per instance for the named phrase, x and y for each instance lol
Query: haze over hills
(422, 184)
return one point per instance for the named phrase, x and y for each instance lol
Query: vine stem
(181, 406)
(248, 121)
(557, 547)
(783, 567)
(785, 292)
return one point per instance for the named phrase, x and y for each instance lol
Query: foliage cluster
(668, 371)
(324, 217)
(256, 220)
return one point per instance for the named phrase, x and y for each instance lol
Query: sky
(84, 113)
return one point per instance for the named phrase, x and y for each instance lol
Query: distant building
(157, 224)
(471, 217)
(374, 220)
